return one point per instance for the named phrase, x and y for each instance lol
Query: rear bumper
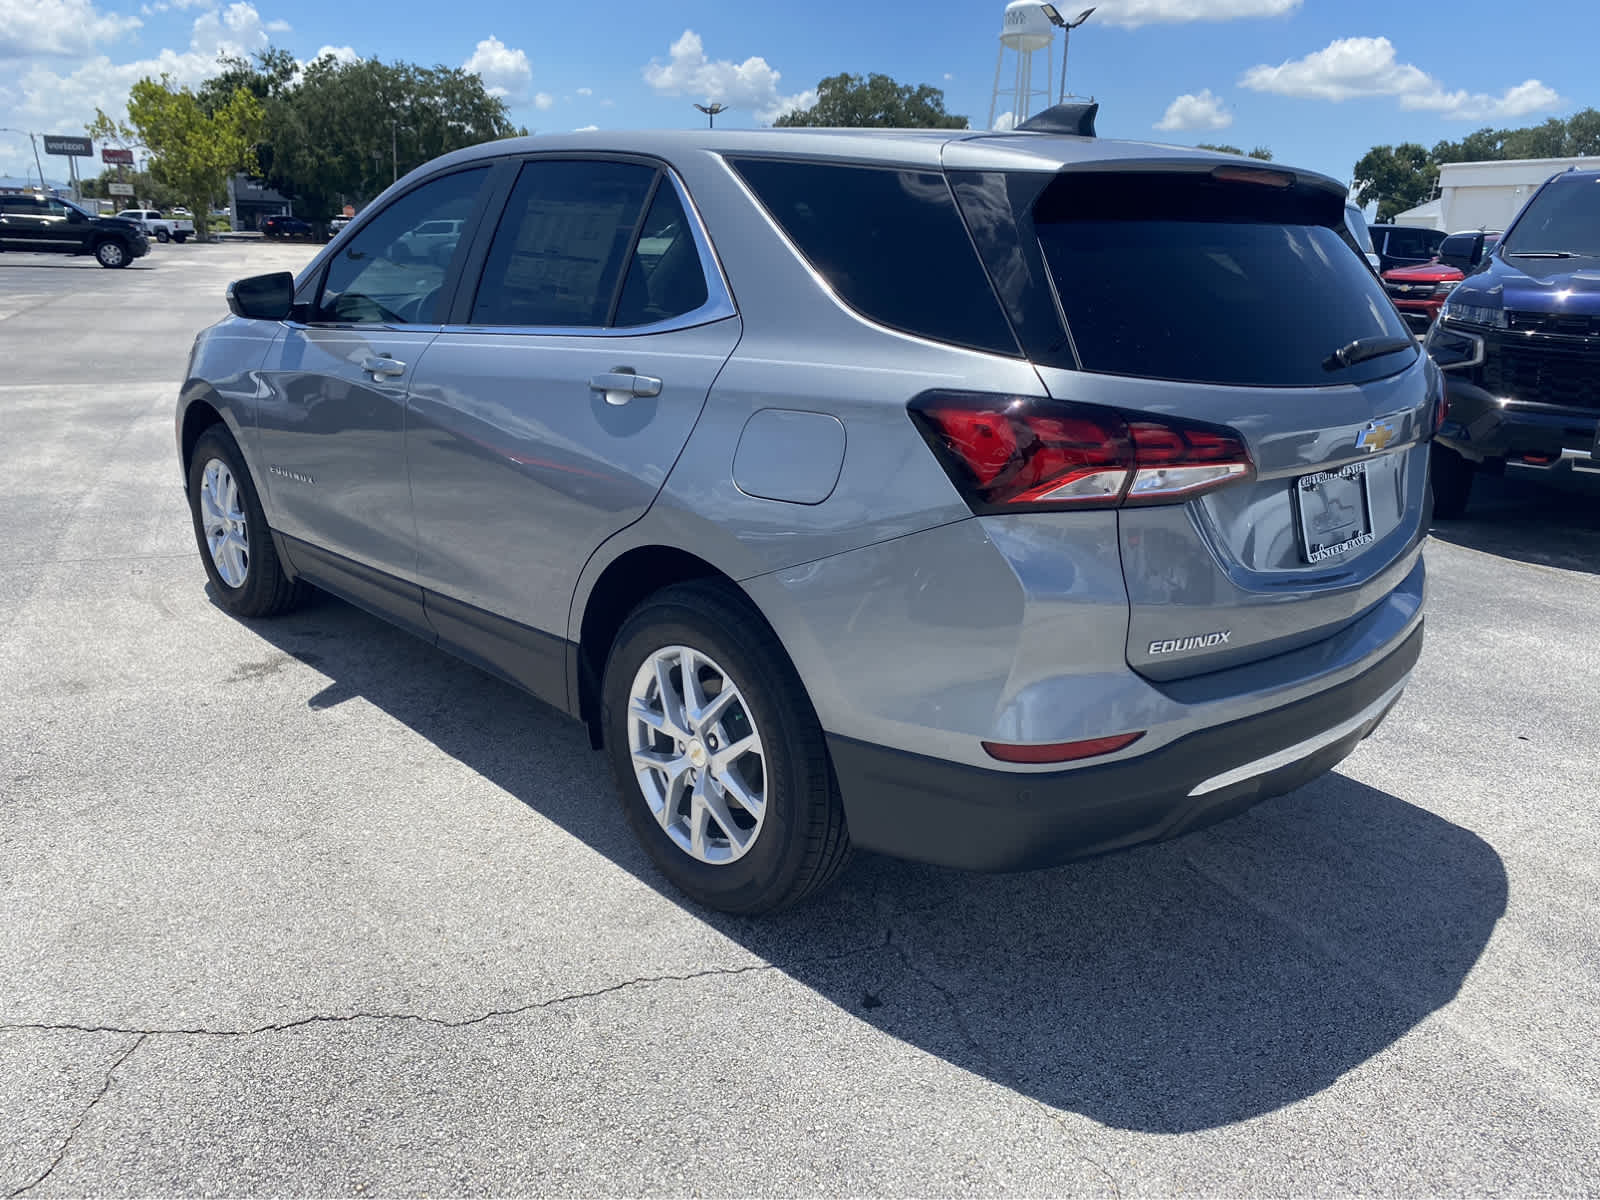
(956, 815)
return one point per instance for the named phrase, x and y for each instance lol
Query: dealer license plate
(1334, 513)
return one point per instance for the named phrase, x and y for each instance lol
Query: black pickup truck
(46, 225)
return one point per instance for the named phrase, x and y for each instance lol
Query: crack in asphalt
(998, 1073)
(441, 1022)
(66, 1142)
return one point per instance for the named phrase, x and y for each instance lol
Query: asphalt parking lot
(308, 907)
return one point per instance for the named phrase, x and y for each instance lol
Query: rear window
(1188, 279)
(889, 243)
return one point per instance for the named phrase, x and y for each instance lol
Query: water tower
(1025, 32)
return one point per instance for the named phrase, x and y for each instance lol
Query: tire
(799, 842)
(1451, 476)
(249, 580)
(180, 238)
(163, 236)
(112, 254)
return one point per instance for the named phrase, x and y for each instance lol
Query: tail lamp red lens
(1011, 452)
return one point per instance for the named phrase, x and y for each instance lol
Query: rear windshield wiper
(1544, 254)
(1362, 349)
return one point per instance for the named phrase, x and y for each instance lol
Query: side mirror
(262, 297)
(1462, 253)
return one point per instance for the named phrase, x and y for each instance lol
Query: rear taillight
(1011, 452)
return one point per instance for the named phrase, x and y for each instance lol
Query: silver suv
(985, 499)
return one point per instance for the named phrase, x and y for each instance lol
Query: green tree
(849, 101)
(1410, 176)
(1260, 152)
(342, 131)
(192, 152)
(1397, 177)
(269, 74)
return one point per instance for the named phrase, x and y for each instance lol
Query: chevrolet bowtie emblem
(1376, 435)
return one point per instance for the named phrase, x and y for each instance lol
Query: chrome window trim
(719, 303)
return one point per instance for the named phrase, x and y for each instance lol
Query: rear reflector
(1011, 452)
(1057, 752)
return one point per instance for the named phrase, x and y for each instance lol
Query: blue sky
(1317, 81)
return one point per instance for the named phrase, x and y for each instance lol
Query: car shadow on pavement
(1529, 521)
(1174, 988)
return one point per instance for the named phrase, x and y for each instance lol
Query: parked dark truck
(1519, 341)
(46, 225)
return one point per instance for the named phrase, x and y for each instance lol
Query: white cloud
(63, 102)
(65, 28)
(505, 72)
(279, 27)
(543, 101)
(948, 77)
(752, 84)
(1529, 96)
(344, 54)
(1005, 122)
(608, 103)
(1360, 67)
(586, 129)
(1132, 13)
(1191, 111)
(585, 91)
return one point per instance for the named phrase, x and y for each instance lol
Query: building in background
(1486, 195)
(251, 202)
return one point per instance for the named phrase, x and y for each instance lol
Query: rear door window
(665, 279)
(1186, 280)
(560, 249)
(890, 243)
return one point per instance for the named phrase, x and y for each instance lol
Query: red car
(1420, 292)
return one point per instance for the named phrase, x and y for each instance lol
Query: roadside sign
(120, 189)
(72, 147)
(113, 154)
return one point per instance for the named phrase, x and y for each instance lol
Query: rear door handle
(620, 386)
(382, 364)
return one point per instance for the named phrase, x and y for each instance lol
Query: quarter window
(393, 271)
(559, 252)
(890, 244)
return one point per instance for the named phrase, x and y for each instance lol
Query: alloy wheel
(222, 516)
(697, 754)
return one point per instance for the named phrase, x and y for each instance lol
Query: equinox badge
(1200, 642)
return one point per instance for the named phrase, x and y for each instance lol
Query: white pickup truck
(163, 229)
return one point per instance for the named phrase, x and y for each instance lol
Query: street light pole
(711, 111)
(34, 141)
(1066, 27)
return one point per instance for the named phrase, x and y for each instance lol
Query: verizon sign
(112, 154)
(72, 147)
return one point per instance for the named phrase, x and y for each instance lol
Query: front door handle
(383, 365)
(623, 385)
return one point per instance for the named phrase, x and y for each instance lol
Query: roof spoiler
(1076, 118)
